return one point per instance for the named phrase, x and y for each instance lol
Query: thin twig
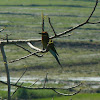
(29, 56)
(42, 22)
(45, 80)
(34, 83)
(92, 11)
(16, 89)
(21, 76)
(51, 26)
(27, 50)
(66, 94)
(23, 48)
(93, 22)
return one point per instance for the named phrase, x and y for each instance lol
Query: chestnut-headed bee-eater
(49, 46)
(45, 39)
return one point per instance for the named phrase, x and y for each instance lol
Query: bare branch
(27, 50)
(43, 51)
(93, 22)
(3, 42)
(45, 80)
(35, 88)
(21, 76)
(25, 57)
(16, 89)
(7, 70)
(42, 22)
(51, 26)
(66, 94)
(23, 48)
(92, 11)
(33, 47)
(34, 83)
(86, 22)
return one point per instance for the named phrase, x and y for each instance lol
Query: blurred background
(79, 53)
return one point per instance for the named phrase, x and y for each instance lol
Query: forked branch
(35, 88)
(47, 88)
(33, 53)
(86, 22)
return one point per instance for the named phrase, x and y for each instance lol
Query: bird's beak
(40, 33)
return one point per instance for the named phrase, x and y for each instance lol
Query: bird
(52, 50)
(48, 45)
(45, 39)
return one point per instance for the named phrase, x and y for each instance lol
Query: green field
(79, 54)
(78, 97)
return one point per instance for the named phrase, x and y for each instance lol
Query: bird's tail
(55, 55)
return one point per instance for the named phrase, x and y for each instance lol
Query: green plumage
(49, 46)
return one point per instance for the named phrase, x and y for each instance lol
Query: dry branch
(21, 76)
(36, 88)
(34, 83)
(4, 42)
(46, 78)
(66, 94)
(7, 70)
(57, 35)
(42, 22)
(33, 47)
(86, 22)
(48, 88)
(43, 51)
(51, 26)
(16, 89)
(23, 48)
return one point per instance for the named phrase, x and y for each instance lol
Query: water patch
(96, 79)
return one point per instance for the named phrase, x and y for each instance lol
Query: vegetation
(79, 53)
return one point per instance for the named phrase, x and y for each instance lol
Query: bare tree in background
(28, 42)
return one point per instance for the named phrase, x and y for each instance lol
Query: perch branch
(4, 42)
(57, 35)
(33, 47)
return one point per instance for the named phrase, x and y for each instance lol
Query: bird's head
(44, 34)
